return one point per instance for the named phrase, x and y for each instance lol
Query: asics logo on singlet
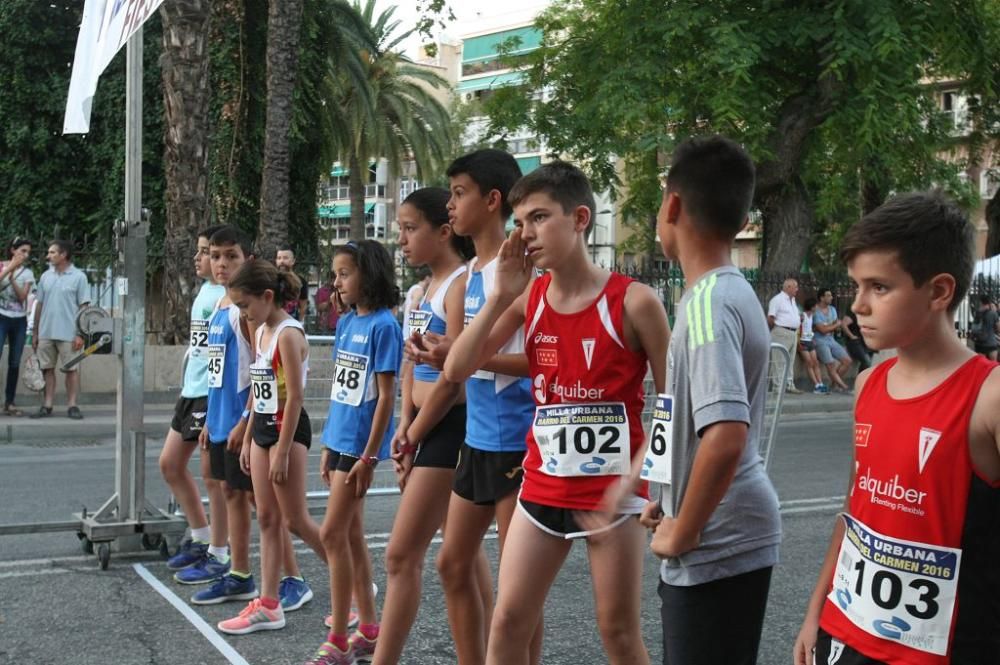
(881, 491)
(472, 302)
(218, 330)
(576, 392)
(542, 338)
(359, 339)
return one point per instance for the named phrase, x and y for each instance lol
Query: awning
(341, 210)
(490, 81)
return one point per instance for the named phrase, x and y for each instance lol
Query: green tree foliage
(393, 115)
(333, 35)
(71, 186)
(835, 100)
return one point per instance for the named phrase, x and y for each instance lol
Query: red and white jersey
(588, 391)
(917, 578)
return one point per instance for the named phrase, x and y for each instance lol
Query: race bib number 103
(895, 589)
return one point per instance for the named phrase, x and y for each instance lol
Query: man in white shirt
(784, 319)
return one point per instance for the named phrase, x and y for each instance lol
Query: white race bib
(350, 374)
(199, 337)
(897, 590)
(583, 439)
(481, 374)
(216, 364)
(658, 465)
(420, 320)
(265, 390)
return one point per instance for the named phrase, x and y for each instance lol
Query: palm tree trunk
(284, 21)
(356, 191)
(186, 98)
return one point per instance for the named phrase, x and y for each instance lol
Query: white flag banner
(106, 26)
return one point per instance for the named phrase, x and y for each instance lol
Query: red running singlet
(917, 578)
(588, 391)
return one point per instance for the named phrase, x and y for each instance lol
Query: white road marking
(227, 651)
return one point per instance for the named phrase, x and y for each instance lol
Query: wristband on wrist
(370, 460)
(408, 448)
(246, 414)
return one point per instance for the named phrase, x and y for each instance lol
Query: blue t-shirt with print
(366, 345)
(819, 319)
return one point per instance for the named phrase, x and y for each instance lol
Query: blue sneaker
(189, 553)
(207, 569)
(294, 593)
(226, 588)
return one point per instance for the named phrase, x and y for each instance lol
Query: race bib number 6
(658, 464)
(583, 439)
(897, 590)
(216, 364)
(265, 390)
(350, 374)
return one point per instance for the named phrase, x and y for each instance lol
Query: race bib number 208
(894, 589)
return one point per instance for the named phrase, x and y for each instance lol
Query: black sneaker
(43, 412)
(74, 413)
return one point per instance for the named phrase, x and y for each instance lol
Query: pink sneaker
(352, 621)
(254, 617)
(364, 648)
(329, 654)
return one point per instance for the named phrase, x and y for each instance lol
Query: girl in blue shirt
(359, 427)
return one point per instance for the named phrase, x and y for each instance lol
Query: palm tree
(394, 116)
(348, 39)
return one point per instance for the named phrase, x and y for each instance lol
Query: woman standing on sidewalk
(16, 282)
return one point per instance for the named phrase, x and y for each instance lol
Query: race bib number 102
(583, 439)
(896, 590)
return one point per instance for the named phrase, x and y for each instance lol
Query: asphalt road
(59, 607)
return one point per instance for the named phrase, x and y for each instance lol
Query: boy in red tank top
(911, 575)
(590, 336)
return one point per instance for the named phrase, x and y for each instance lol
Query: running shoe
(254, 617)
(190, 552)
(821, 389)
(205, 570)
(329, 654)
(353, 621)
(226, 588)
(294, 593)
(363, 648)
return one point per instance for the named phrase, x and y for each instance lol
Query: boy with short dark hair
(591, 336)
(717, 524)
(911, 576)
(204, 556)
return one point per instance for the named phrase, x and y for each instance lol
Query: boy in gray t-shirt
(717, 527)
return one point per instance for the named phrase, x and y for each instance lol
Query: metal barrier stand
(126, 518)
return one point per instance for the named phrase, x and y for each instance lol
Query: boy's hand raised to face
(513, 268)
